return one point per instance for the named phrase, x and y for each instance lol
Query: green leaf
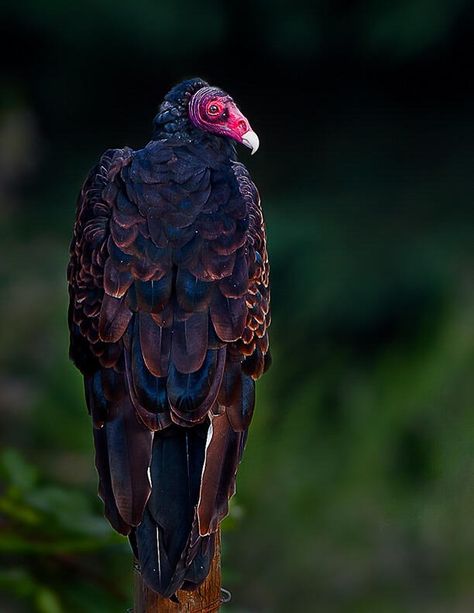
(47, 601)
(16, 470)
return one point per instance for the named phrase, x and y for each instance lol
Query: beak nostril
(242, 125)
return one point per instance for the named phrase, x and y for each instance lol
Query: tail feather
(164, 537)
(199, 568)
(155, 565)
(169, 490)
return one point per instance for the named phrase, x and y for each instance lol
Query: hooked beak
(250, 140)
(238, 128)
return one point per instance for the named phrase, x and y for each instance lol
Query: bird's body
(169, 309)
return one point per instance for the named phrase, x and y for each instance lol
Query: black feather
(199, 568)
(164, 533)
(192, 293)
(153, 295)
(229, 316)
(129, 451)
(191, 395)
(189, 345)
(105, 485)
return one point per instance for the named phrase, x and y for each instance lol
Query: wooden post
(206, 599)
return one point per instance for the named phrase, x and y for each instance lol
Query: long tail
(168, 490)
(192, 475)
(164, 538)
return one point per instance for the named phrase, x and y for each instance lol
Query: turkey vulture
(168, 317)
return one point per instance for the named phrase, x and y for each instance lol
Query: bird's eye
(213, 109)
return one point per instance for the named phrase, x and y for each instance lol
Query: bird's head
(213, 110)
(208, 109)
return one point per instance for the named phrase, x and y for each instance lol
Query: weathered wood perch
(206, 599)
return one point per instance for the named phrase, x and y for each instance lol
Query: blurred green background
(356, 493)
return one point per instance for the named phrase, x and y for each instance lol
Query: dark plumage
(169, 309)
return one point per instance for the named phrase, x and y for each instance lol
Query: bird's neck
(172, 124)
(180, 130)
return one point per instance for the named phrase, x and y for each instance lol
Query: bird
(169, 309)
